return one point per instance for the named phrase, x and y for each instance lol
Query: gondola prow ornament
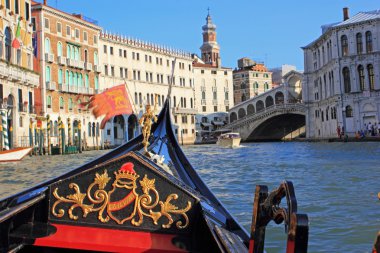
(146, 123)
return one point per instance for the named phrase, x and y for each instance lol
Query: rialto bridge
(273, 115)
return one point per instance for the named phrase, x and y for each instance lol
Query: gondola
(134, 199)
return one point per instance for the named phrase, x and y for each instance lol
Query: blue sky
(271, 31)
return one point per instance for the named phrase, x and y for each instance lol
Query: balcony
(50, 85)
(214, 102)
(88, 66)
(226, 102)
(73, 89)
(214, 89)
(16, 74)
(61, 60)
(90, 91)
(79, 64)
(203, 88)
(70, 62)
(63, 87)
(97, 68)
(49, 57)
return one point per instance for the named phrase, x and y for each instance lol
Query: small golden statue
(146, 122)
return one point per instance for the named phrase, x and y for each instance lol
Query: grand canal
(336, 185)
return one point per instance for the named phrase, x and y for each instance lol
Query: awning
(203, 124)
(217, 123)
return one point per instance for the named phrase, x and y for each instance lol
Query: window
(70, 104)
(59, 27)
(121, 72)
(46, 23)
(95, 39)
(48, 101)
(346, 80)
(27, 11)
(96, 61)
(359, 43)
(138, 56)
(371, 77)
(203, 108)
(111, 50)
(47, 73)
(34, 24)
(61, 103)
(215, 108)
(344, 45)
(86, 81)
(18, 56)
(106, 70)
(126, 73)
(112, 71)
(7, 4)
(77, 33)
(349, 111)
(59, 49)
(85, 36)
(68, 30)
(361, 77)
(17, 9)
(60, 76)
(125, 53)
(47, 45)
(368, 41)
(120, 52)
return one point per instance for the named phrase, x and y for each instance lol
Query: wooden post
(59, 135)
(79, 136)
(48, 133)
(63, 138)
(68, 131)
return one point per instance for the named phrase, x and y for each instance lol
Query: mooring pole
(80, 136)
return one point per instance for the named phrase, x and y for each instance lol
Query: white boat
(14, 155)
(230, 140)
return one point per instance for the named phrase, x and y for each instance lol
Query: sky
(270, 31)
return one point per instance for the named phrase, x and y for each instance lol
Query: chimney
(45, 2)
(345, 14)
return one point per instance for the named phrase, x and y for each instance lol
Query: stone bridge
(272, 115)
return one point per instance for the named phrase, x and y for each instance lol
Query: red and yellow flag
(111, 102)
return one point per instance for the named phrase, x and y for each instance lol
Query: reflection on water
(336, 185)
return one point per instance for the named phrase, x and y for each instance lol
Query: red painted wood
(251, 246)
(107, 240)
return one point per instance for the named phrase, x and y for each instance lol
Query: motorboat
(143, 196)
(230, 140)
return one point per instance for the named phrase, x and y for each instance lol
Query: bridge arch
(233, 117)
(279, 97)
(241, 113)
(268, 101)
(259, 106)
(250, 109)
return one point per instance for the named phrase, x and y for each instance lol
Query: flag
(16, 42)
(111, 102)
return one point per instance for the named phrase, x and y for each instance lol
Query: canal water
(336, 184)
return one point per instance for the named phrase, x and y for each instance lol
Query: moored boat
(144, 196)
(230, 140)
(14, 155)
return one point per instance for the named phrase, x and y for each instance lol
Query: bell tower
(210, 48)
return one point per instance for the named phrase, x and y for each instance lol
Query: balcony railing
(16, 74)
(88, 66)
(178, 110)
(61, 60)
(97, 68)
(50, 85)
(63, 87)
(49, 57)
(70, 62)
(79, 64)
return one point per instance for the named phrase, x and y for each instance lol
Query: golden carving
(146, 122)
(139, 205)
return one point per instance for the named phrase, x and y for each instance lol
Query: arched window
(85, 56)
(59, 49)
(48, 101)
(68, 53)
(75, 79)
(96, 83)
(327, 114)
(67, 77)
(47, 73)
(76, 53)
(203, 95)
(349, 111)
(346, 80)
(97, 129)
(359, 43)
(241, 113)
(86, 81)
(80, 80)
(8, 44)
(1, 49)
(250, 109)
(79, 105)
(191, 102)
(55, 128)
(61, 103)
(71, 78)
(266, 86)
(47, 46)
(368, 41)
(371, 77)
(89, 129)
(344, 45)
(361, 77)
(96, 61)
(60, 76)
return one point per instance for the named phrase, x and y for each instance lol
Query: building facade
(146, 69)
(17, 78)
(341, 86)
(212, 84)
(250, 79)
(68, 62)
